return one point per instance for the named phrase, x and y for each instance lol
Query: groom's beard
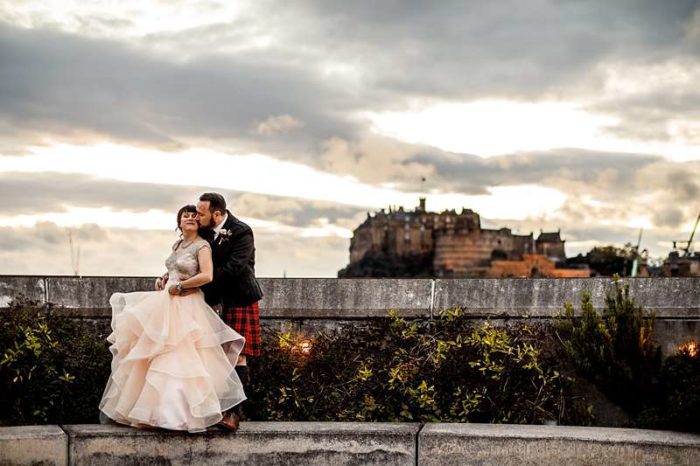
(203, 230)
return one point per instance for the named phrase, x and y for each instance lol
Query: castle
(449, 244)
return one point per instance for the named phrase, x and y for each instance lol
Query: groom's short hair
(216, 202)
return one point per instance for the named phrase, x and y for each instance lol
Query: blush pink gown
(173, 358)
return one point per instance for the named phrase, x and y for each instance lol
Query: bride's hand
(173, 291)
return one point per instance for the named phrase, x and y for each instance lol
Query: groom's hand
(160, 282)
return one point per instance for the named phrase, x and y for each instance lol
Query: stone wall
(506, 445)
(461, 254)
(321, 443)
(308, 305)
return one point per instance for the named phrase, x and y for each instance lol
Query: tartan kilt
(246, 321)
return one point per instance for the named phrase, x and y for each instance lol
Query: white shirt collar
(220, 226)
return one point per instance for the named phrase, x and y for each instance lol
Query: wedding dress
(173, 358)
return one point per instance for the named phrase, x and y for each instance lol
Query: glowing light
(295, 344)
(690, 348)
(304, 346)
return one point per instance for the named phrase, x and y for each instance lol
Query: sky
(582, 116)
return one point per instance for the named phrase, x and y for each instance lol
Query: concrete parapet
(255, 443)
(504, 445)
(344, 298)
(40, 445)
(307, 305)
(89, 296)
(331, 298)
(11, 287)
(544, 297)
(312, 298)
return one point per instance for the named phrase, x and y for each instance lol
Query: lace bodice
(183, 263)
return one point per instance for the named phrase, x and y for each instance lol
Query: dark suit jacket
(233, 252)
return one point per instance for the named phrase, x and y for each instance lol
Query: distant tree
(608, 260)
(376, 264)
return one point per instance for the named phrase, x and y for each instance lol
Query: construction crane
(635, 263)
(74, 258)
(687, 264)
(689, 243)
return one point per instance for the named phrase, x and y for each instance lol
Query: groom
(234, 286)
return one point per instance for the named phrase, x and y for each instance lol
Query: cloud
(321, 62)
(654, 102)
(32, 193)
(45, 250)
(463, 49)
(40, 193)
(375, 160)
(671, 217)
(69, 88)
(278, 124)
(296, 81)
(556, 168)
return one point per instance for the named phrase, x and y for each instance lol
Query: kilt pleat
(246, 321)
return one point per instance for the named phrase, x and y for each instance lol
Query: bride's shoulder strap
(202, 243)
(176, 244)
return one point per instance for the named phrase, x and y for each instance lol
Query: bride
(173, 358)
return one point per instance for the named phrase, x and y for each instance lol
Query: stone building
(454, 243)
(533, 265)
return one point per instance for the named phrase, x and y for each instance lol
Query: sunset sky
(537, 114)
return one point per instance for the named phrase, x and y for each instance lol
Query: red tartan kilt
(246, 321)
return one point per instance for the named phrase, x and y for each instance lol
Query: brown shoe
(230, 421)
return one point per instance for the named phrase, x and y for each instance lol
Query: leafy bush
(394, 370)
(680, 408)
(52, 369)
(448, 369)
(614, 350)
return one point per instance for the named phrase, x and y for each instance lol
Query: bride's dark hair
(188, 208)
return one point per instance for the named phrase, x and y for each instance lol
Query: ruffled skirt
(173, 362)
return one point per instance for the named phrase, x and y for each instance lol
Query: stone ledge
(458, 444)
(45, 445)
(255, 443)
(321, 443)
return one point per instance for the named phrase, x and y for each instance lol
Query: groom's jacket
(233, 252)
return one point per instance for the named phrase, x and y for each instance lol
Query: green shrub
(395, 370)
(680, 408)
(52, 369)
(614, 350)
